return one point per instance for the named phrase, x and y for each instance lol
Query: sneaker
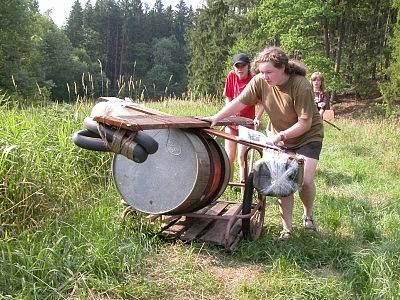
(284, 236)
(309, 223)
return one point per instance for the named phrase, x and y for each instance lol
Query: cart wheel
(127, 211)
(246, 208)
(252, 227)
(257, 221)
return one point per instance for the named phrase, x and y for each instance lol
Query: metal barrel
(189, 171)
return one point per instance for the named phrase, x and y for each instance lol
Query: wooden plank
(235, 234)
(144, 122)
(176, 229)
(216, 233)
(200, 224)
(148, 111)
(174, 225)
(232, 246)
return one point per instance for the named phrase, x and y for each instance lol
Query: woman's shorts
(311, 150)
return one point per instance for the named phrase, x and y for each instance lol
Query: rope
(119, 144)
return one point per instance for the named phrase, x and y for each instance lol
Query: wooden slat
(142, 109)
(144, 122)
(200, 224)
(226, 121)
(235, 234)
(177, 228)
(232, 246)
(174, 231)
(216, 233)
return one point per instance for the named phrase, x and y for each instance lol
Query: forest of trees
(125, 48)
(111, 48)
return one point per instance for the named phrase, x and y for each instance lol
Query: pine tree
(74, 27)
(17, 27)
(210, 40)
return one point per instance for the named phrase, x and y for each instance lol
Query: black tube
(89, 140)
(92, 126)
(149, 144)
(134, 151)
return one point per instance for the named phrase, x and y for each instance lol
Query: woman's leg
(307, 196)
(307, 191)
(286, 210)
(230, 148)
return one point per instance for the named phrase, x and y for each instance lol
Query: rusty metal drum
(189, 171)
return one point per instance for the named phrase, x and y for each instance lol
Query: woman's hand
(277, 138)
(230, 109)
(210, 119)
(256, 123)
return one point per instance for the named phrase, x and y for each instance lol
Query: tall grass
(62, 236)
(37, 161)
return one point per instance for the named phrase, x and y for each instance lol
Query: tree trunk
(116, 60)
(388, 26)
(327, 42)
(338, 58)
(123, 48)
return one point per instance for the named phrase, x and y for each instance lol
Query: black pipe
(147, 141)
(149, 144)
(89, 140)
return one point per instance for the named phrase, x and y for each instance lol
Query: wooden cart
(222, 222)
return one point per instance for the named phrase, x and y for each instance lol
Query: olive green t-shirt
(284, 105)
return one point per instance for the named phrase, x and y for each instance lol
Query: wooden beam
(153, 121)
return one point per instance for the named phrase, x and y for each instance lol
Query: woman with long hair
(320, 98)
(294, 122)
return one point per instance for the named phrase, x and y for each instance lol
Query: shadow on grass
(358, 151)
(326, 247)
(305, 249)
(345, 224)
(333, 178)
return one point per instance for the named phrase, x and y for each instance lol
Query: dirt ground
(358, 108)
(361, 108)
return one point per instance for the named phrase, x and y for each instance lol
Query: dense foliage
(112, 48)
(391, 88)
(124, 48)
(346, 41)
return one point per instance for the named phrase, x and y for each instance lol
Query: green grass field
(62, 236)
